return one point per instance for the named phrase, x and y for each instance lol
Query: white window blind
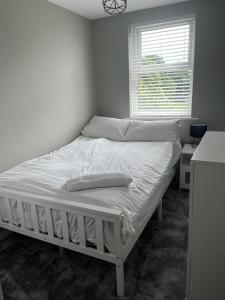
(161, 68)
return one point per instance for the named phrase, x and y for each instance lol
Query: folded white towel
(97, 180)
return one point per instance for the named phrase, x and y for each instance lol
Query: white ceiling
(92, 9)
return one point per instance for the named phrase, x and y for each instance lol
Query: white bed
(33, 199)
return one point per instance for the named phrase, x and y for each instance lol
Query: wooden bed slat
(49, 219)
(81, 230)
(34, 217)
(65, 226)
(21, 213)
(99, 235)
(117, 237)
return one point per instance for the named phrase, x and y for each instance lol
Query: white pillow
(110, 128)
(166, 130)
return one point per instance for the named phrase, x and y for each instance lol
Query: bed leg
(120, 279)
(160, 212)
(61, 251)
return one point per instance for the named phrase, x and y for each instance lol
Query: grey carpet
(155, 269)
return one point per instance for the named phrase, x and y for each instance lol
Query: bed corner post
(120, 278)
(119, 261)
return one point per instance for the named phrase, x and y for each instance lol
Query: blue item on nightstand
(197, 131)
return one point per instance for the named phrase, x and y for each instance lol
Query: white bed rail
(65, 207)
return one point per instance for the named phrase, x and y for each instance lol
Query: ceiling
(92, 9)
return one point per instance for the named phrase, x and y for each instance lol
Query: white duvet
(146, 162)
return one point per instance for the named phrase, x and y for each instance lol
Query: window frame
(132, 44)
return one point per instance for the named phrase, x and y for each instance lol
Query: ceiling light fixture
(114, 7)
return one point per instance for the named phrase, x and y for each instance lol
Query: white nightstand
(185, 164)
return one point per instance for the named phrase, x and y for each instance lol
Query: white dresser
(206, 253)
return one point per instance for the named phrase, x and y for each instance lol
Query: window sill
(149, 118)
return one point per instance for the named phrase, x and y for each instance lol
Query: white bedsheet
(146, 162)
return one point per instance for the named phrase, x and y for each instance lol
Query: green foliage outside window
(166, 90)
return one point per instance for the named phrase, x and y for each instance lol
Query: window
(161, 69)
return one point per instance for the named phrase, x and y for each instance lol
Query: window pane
(161, 92)
(167, 45)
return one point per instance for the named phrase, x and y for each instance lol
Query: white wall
(46, 78)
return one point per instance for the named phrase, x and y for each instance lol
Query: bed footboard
(65, 207)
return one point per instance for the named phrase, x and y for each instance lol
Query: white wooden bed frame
(99, 214)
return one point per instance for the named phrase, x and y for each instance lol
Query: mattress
(148, 163)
